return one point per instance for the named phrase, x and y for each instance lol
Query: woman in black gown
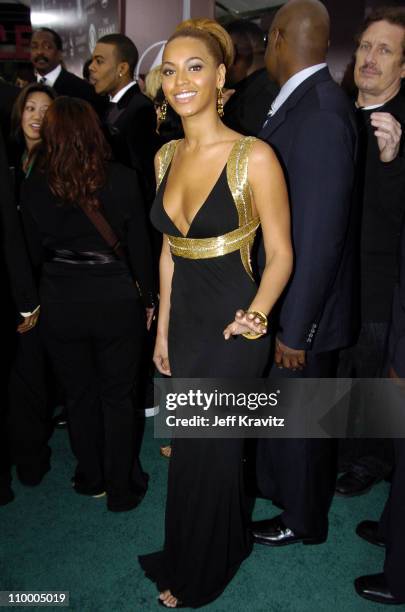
(215, 188)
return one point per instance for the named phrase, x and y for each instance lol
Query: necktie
(42, 81)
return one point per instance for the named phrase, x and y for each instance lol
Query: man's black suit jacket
(247, 108)
(68, 84)
(314, 136)
(396, 352)
(132, 136)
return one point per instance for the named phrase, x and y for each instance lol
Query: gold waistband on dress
(204, 248)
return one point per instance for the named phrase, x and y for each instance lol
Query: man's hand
(388, 133)
(28, 323)
(286, 357)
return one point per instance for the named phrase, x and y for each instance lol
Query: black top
(51, 225)
(14, 263)
(246, 110)
(378, 187)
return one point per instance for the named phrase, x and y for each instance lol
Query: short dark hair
(249, 32)
(126, 49)
(394, 15)
(56, 38)
(19, 106)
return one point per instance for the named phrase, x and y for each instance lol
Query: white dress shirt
(51, 77)
(291, 85)
(122, 92)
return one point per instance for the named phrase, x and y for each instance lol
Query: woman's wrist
(260, 318)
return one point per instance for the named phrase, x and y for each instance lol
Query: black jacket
(50, 226)
(378, 189)
(247, 108)
(16, 269)
(68, 84)
(132, 136)
(314, 136)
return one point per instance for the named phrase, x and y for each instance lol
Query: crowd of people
(130, 238)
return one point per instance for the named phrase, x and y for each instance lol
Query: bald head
(299, 35)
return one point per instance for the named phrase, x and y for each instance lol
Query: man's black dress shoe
(273, 532)
(369, 530)
(83, 488)
(352, 483)
(375, 588)
(6, 495)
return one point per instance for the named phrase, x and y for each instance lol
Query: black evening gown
(206, 535)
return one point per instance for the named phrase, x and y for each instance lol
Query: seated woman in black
(92, 300)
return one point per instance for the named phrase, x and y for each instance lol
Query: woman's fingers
(244, 322)
(162, 364)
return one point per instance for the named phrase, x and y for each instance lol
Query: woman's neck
(202, 130)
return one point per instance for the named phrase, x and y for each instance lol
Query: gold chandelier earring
(163, 111)
(162, 115)
(220, 102)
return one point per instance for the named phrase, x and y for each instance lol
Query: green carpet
(54, 539)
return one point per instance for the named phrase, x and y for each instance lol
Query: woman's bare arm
(270, 202)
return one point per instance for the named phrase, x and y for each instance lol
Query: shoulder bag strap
(105, 230)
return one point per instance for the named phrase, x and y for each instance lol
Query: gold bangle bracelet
(250, 335)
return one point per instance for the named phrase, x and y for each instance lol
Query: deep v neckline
(200, 208)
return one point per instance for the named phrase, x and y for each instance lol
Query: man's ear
(123, 69)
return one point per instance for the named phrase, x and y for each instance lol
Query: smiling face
(105, 70)
(191, 76)
(45, 55)
(380, 62)
(34, 111)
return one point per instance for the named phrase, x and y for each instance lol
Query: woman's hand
(161, 356)
(28, 323)
(245, 322)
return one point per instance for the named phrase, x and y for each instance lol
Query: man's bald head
(298, 37)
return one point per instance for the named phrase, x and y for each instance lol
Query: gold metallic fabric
(204, 248)
(241, 238)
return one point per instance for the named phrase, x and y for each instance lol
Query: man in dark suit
(131, 117)
(378, 70)
(46, 58)
(389, 586)
(19, 292)
(311, 127)
(253, 92)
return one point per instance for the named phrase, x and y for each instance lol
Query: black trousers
(366, 359)
(299, 475)
(29, 416)
(8, 346)
(392, 525)
(96, 349)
